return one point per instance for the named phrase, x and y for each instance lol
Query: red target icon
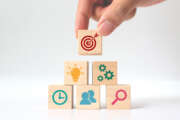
(88, 43)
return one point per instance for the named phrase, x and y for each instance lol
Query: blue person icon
(91, 96)
(88, 98)
(85, 100)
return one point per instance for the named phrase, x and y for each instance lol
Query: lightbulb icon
(75, 72)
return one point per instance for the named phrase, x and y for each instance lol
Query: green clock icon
(62, 95)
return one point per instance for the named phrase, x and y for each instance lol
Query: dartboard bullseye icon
(88, 43)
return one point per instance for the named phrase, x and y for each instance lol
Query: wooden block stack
(76, 73)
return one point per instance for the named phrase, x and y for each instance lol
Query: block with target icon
(104, 72)
(75, 72)
(89, 42)
(118, 96)
(60, 97)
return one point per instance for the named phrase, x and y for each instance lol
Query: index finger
(83, 14)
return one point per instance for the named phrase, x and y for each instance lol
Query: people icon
(88, 98)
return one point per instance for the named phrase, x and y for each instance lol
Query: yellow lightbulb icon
(75, 73)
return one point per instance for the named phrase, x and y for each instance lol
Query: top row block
(104, 73)
(89, 42)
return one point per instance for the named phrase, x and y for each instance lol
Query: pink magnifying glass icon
(118, 98)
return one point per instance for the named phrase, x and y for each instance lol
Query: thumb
(114, 15)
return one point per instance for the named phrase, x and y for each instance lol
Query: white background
(37, 36)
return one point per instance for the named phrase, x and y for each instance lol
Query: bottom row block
(60, 97)
(88, 97)
(118, 97)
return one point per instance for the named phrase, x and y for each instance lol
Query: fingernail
(102, 19)
(105, 28)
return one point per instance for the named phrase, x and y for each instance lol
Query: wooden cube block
(118, 97)
(60, 97)
(76, 72)
(105, 73)
(89, 42)
(88, 97)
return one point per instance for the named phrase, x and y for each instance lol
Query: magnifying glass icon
(118, 98)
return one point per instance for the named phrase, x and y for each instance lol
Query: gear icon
(102, 67)
(109, 75)
(100, 78)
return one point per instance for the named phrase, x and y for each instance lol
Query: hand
(109, 13)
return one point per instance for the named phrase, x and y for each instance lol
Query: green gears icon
(100, 78)
(102, 67)
(109, 75)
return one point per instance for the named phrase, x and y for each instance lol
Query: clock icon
(59, 97)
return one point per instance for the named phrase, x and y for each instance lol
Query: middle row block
(104, 72)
